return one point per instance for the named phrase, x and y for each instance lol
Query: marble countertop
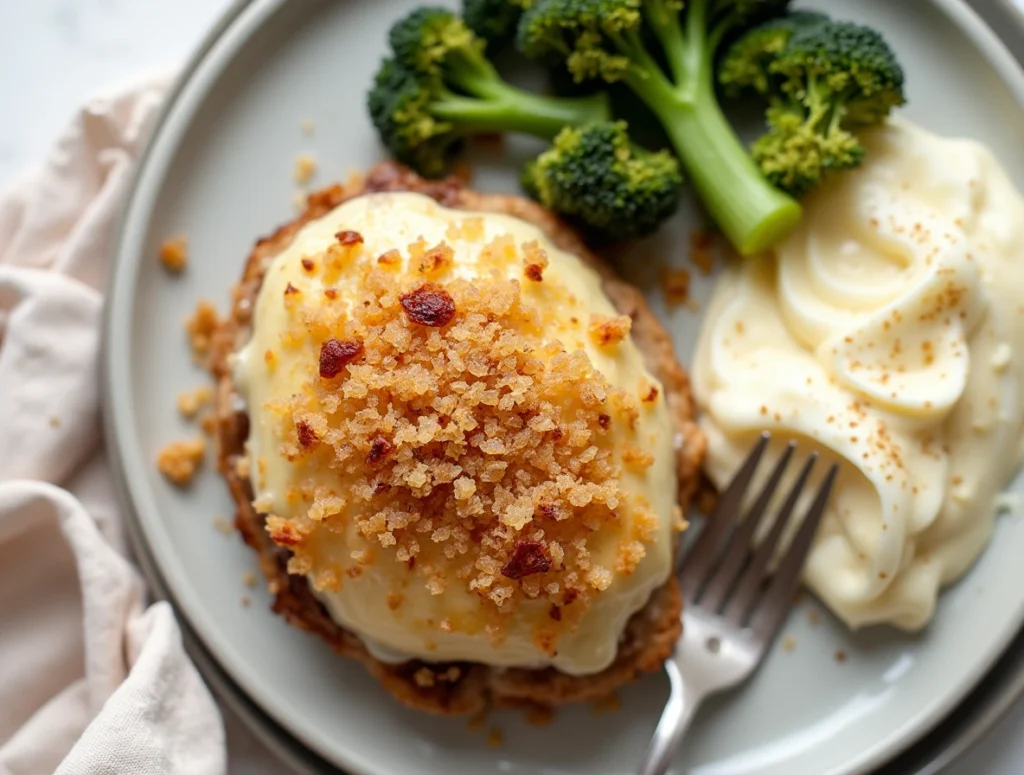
(56, 53)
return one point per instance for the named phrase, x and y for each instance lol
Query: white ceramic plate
(219, 170)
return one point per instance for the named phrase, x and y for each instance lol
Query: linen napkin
(92, 678)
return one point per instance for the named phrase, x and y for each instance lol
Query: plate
(219, 170)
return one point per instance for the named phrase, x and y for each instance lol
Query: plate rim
(961, 14)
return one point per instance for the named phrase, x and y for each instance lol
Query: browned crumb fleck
(391, 258)
(675, 284)
(701, 255)
(201, 326)
(840, 656)
(527, 558)
(495, 739)
(607, 704)
(429, 305)
(607, 331)
(437, 260)
(190, 402)
(55, 422)
(180, 460)
(395, 601)
(224, 525)
(209, 424)
(249, 578)
(650, 394)
(174, 254)
(336, 355)
(788, 643)
(424, 677)
(305, 168)
(535, 259)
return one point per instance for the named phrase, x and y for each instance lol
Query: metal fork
(734, 607)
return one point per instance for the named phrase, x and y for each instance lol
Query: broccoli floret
(494, 20)
(822, 79)
(438, 87)
(594, 174)
(606, 39)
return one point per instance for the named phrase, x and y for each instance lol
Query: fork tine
(775, 604)
(699, 559)
(738, 546)
(749, 585)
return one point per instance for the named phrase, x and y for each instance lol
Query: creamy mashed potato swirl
(482, 468)
(889, 332)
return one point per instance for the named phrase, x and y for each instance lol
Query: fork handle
(675, 719)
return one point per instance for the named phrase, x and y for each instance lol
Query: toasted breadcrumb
(174, 254)
(190, 402)
(608, 331)
(788, 643)
(249, 578)
(201, 326)
(305, 169)
(180, 460)
(840, 656)
(675, 283)
(701, 254)
(450, 409)
(55, 422)
(495, 738)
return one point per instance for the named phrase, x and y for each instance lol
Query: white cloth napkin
(92, 680)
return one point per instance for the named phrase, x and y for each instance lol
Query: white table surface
(56, 53)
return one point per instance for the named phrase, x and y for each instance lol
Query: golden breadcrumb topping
(180, 460)
(675, 284)
(466, 447)
(174, 254)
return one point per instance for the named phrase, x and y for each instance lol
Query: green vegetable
(439, 87)
(494, 20)
(605, 39)
(823, 79)
(595, 174)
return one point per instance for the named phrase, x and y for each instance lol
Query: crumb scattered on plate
(675, 283)
(191, 401)
(180, 460)
(305, 168)
(788, 643)
(54, 422)
(201, 325)
(840, 656)
(701, 254)
(174, 254)
(249, 578)
(495, 738)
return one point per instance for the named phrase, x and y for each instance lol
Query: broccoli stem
(507, 109)
(751, 212)
(497, 106)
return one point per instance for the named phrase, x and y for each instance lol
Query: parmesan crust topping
(421, 433)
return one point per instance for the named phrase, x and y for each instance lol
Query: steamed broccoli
(822, 79)
(605, 39)
(439, 87)
(595, 174)
(494, 20)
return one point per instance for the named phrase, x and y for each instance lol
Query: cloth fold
(92, 680)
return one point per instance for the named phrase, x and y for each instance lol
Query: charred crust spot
(349, 238)
(380, 448)
(569, 596)
(336, 355)
(555, 613)
(307, 436)
(308, 264)
(391, 258)
(331, 293)
(528, 558)
(534, 272)
(290, 290)
(548, 510)
(429, 305)
(651, 395)
(604, 421)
